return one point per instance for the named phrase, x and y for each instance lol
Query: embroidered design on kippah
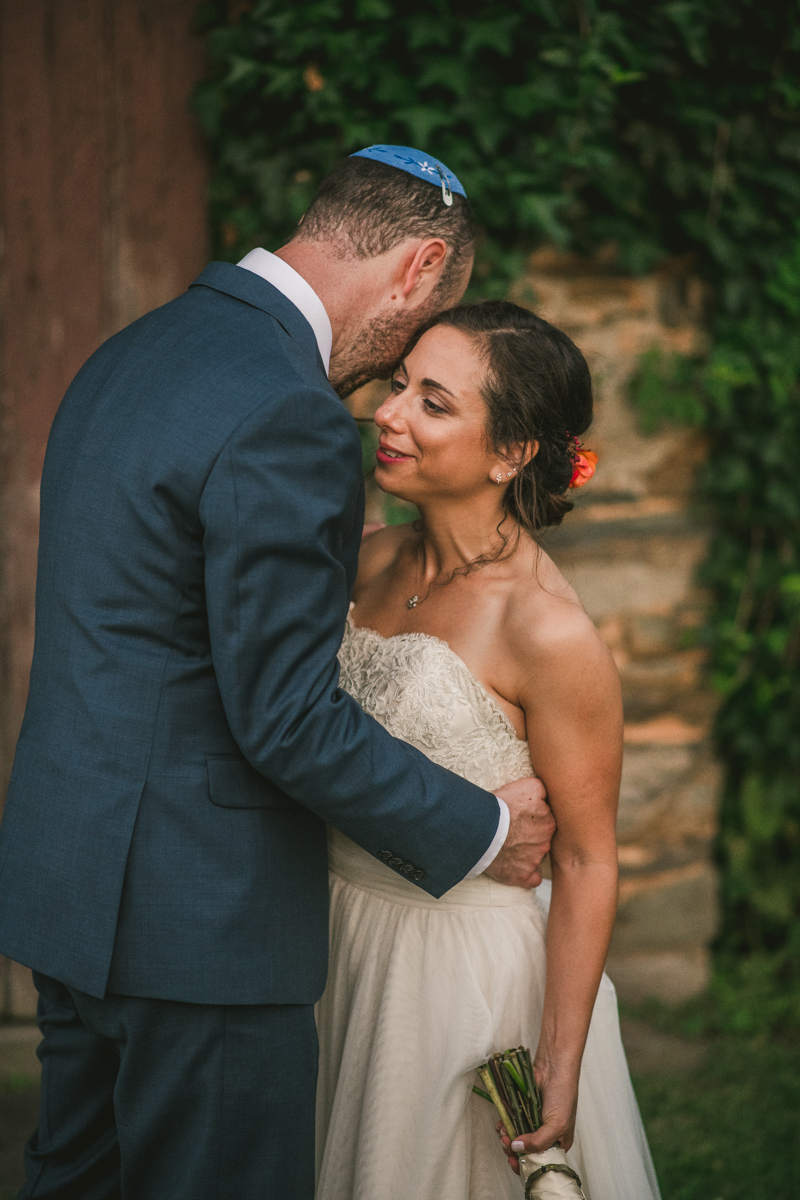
(406, 158)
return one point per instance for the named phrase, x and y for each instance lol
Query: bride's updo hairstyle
(537, 388)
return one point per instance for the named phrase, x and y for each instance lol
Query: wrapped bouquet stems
(509, 1083)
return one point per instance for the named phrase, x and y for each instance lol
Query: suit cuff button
(385, 855)
(418, 874)
(395, 861)
(408, 868)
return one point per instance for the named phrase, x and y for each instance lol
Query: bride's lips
(388, 455)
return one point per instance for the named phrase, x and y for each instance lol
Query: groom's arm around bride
(163, 853)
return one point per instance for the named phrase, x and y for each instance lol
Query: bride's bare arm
(570, 694)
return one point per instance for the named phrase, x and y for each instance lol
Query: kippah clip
(447, 195)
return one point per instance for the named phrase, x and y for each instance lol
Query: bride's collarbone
(467, 628)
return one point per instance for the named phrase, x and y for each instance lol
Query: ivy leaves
(517, 98)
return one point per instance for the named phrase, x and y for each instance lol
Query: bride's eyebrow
(431, 383)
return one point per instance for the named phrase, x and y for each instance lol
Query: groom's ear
(423, 269)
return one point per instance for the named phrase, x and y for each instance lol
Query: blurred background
(635, 173)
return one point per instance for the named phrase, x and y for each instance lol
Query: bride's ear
(513, 460)
(502, 472)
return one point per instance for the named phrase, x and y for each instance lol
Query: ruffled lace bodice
(422, 692)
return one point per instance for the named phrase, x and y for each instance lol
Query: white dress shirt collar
(301, 294)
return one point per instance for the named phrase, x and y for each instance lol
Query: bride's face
(432, 426)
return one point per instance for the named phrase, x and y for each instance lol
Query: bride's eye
(436, 409)
(398, 385)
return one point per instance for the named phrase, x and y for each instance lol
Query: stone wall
(631, 549)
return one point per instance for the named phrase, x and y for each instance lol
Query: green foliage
(729, 1128)
(665, 391)
(753, 413)
(581, 123)
(636, 132)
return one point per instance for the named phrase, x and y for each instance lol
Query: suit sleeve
(282, 512)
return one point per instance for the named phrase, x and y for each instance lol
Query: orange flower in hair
(584, 464)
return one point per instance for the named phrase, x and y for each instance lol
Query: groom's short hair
(368, 207)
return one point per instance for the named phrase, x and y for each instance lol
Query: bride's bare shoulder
(380, 549)
(548, 627)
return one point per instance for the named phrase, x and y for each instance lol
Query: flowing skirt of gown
(420, 991)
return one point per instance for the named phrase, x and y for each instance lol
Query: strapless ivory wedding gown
(420, 990)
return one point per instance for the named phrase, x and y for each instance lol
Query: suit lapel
(252, 289)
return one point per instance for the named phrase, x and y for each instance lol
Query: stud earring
(510, 473)
(499, 476)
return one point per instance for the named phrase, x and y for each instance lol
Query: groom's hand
(529, 833)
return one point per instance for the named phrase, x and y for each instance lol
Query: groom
(163, 851)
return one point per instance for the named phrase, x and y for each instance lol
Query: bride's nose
(390, 414)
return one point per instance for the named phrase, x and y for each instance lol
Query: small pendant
(412, 603)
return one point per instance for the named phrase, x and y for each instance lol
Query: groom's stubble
(373, 354)
(377, 349)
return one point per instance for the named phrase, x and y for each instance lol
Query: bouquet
(509, 1084)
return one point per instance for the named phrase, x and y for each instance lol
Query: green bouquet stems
(510, 1085)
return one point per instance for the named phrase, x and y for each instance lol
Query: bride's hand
(559, 1102)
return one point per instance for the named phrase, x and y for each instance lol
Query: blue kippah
(405, 158)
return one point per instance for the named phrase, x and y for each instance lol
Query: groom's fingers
(531, 827)
(532, 820)
(515, 869)
(519, 865)
(532, 877)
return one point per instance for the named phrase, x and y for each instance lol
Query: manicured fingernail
(517, 1146)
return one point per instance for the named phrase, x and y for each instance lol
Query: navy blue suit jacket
(185, 740)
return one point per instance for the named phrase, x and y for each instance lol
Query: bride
(466, 641)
